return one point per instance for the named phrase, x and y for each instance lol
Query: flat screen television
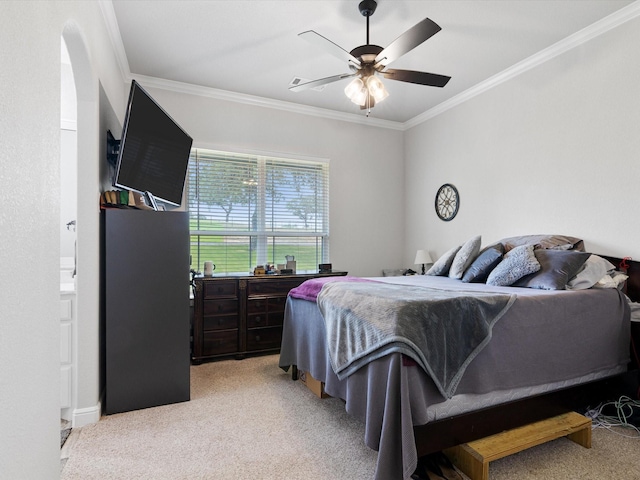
(154, 150)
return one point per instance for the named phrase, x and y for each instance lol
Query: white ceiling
(251, 47)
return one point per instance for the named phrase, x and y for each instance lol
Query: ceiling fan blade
(407, 41)
(329, 47)
(321, 81)
(421, 78)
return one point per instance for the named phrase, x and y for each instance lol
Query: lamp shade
(376, 88)
(422, 257)
(353, 88)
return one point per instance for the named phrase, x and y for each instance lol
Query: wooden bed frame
(438, 435)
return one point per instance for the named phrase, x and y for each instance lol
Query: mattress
(545, 341)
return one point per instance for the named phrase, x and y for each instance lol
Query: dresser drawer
(268, 287)
(268, 338)
(220, 307)
(220, 322)
(224, 288)
(257, 305)
(265, 320)
(276, 304)
(220, 343)
(266, 304)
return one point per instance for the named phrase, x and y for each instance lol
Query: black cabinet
(145, 309)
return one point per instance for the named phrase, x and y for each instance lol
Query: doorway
(84, 153)
(68, 215)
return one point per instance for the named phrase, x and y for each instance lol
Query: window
(248, 210)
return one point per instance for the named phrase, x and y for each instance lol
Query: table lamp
(422, 257)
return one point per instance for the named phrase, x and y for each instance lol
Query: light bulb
(376, 88)
(360, 97)
(353, 88)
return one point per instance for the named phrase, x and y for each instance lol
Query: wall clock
(447, 202)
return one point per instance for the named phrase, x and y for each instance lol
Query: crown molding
(109, 16)
(610, 22)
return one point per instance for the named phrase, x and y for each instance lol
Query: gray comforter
(441, 330)
(548, 339)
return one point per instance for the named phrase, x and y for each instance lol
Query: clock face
(447, 202)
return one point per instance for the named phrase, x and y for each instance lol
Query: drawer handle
(258, 319)
(257, 338)
(219, 321)
(219, 308)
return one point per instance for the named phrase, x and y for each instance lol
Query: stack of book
(122, 199)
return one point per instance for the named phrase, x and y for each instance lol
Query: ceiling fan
(367, 62)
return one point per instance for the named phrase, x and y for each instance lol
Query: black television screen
(154, 150)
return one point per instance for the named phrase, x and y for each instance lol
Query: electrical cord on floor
(618, 414)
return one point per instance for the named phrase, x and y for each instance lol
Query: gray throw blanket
(441, 330)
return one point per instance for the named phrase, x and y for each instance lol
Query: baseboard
(86, 416)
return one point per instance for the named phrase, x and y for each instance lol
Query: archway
(85, 402)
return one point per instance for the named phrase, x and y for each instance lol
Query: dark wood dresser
(241, 315)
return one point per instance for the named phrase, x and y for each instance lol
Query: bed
(547, 352)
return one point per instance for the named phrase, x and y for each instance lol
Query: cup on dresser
(209, 267)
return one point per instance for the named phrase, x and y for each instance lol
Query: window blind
(248, 210)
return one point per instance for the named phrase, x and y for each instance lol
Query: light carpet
(248, 420)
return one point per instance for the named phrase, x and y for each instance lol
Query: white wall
(554, 150)
(29, 159)
(30, 220)
(366, 168)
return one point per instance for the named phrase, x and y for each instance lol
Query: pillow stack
(549, 262)
(457, 260)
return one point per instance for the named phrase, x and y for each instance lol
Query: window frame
(265, 238)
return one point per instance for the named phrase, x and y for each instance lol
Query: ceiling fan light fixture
(360, 97)
(376, 88)
(367, 61)
(356, 91)
(353, 88)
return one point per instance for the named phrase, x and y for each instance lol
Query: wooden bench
(473, 458)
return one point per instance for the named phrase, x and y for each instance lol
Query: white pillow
(594, 269)
(465, 256)
(613, 280)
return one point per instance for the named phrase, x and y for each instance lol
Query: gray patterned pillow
(517, 263)
(467, 254)
(443, 264)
